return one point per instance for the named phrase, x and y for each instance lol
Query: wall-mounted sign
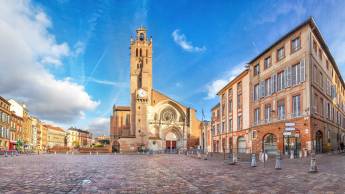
(287, 133)
(289, 124)
(289, 129)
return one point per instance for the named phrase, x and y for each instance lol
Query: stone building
(153, 120)
(5, 124)
(296, 97)
(56, 136)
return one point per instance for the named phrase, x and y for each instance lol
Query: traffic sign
(289, 129)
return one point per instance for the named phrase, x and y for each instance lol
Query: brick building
(296, 99)
(5, 124)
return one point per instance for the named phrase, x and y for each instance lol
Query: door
(270, 144)
(241, 143)
(318, 142)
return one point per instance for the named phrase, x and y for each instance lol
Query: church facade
(153, 120)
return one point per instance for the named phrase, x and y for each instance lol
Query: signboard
(287, 133)
(289, 124)
(289, 129)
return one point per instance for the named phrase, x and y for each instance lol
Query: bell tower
(140, 81)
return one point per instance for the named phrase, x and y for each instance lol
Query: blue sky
(198, 46)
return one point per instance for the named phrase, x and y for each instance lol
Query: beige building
(153, 120)
(232, 116)
(5, 124)
(56, 136)
(78, 138)
(296, 96)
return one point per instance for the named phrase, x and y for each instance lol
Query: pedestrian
(342, 146)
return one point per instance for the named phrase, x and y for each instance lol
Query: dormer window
(141, 36)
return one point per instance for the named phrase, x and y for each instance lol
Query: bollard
(90, 153)
(198, 155)
(206, 156)
(55, 152)
(300, 154)
(253, 163)
(292, 154)
(313, 167)
(66, 153)
(234, 159)
(17, 153)
(305, 153)
(5, 153)
(97, 153)
(278, 162)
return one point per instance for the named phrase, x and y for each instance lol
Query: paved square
(165, 174)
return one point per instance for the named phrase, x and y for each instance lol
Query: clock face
(142, 93)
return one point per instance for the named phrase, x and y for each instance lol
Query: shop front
(292, 140)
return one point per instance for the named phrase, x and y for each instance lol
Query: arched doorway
(170, 141)
(241, 145)
(115, 146)
(318, 142)
(270, 144)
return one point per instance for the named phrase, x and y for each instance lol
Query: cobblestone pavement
(165, 174)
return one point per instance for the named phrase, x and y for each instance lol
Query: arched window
(241, 145)
(139, 81)
(136, 52)
(141, 53)
(147, 53)
(270, 144)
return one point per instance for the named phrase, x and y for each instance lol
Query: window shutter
(302, 64)
(262, 89)
(288, 77)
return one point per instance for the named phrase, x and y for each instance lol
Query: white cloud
(181, 40)
(216, 85)
(271, 15)
(107, 82)
(26, 49)
(100, 126)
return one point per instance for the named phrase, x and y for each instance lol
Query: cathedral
(153, 121)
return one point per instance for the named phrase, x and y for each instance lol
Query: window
(257, 116)
(280, 53)
(257, 69)
(316, 108)
(267, 113)
(256, 92)
(239, 101)
(230, 124)
(314, 46)
(295, 44)
(327, 64)
(267, 62)
(320, 54)
(320, 80)
(280, 80)
(230, 106)
(254, 134)
(267, 87)
(239, 122)
(281, 109)
(296, 106)
(223, 126)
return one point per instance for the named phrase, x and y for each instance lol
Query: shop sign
(287, 133)
(289, 129)
(289, 124)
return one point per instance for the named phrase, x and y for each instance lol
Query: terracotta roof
(216, 106)
(243, 73)
(54, 128)
(125, 108)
